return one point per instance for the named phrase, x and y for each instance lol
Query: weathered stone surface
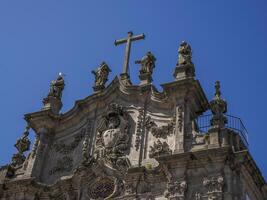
(133, 142)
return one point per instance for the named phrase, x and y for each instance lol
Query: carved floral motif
(180, 118)
(159, 148)
(85, 145)
(68, 148)
(176, 190)
(214, 186)
(159, 132)
(139, 129)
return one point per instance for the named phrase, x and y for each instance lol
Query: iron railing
(233, 123)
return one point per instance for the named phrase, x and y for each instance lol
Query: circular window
(101, 189)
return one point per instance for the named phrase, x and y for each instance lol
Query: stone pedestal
(145, 79)
(53, 104)
(184, 71)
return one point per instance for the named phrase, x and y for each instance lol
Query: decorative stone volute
(218, 107)
(53, 100)
(184, 67)
(101, 76)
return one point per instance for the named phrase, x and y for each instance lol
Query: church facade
(130, 141)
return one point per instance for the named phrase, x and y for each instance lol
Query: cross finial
(217, 89)
(128, 41)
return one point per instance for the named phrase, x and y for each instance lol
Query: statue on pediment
(147, 65)
(101, 76)
(57, 86)
(185, 54)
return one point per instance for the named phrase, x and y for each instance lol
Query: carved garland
(139, 129)
(180, 118)
(85, 147)
(68, 148)
(176, 190)
(163, 131)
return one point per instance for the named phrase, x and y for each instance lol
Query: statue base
(53, 104)
(184, 71)
(145, 78)
(125, 78)
(98, 88)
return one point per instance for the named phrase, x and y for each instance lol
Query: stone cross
(128, 42)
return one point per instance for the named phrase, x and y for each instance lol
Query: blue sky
(38, 39)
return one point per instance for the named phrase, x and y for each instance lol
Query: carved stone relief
(139, 129)
(112, 137)
(68, 148)
(159, 132)
(159, 148)
(62, 165)
(176, 190)
(214, 186)
(180, 118)
(85, 145)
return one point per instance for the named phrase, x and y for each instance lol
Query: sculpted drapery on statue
(101, 76)
(53, 99)
(147, 63)
(57, 86)
(185, 54)
(184, 67)
(147, 66)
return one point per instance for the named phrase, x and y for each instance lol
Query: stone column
(37, 155)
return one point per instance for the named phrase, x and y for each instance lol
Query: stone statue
(53, 100)
(101, 76)
(185, 54)
(147, 63)
(147, 66)
(56, 87)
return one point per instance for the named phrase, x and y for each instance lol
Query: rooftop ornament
(101, 76)
(22, 145)
(184, 67)
(53, 100)
(218, 108)
(125, 72)
(147, 65)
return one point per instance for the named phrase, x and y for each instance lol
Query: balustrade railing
(233, 123)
